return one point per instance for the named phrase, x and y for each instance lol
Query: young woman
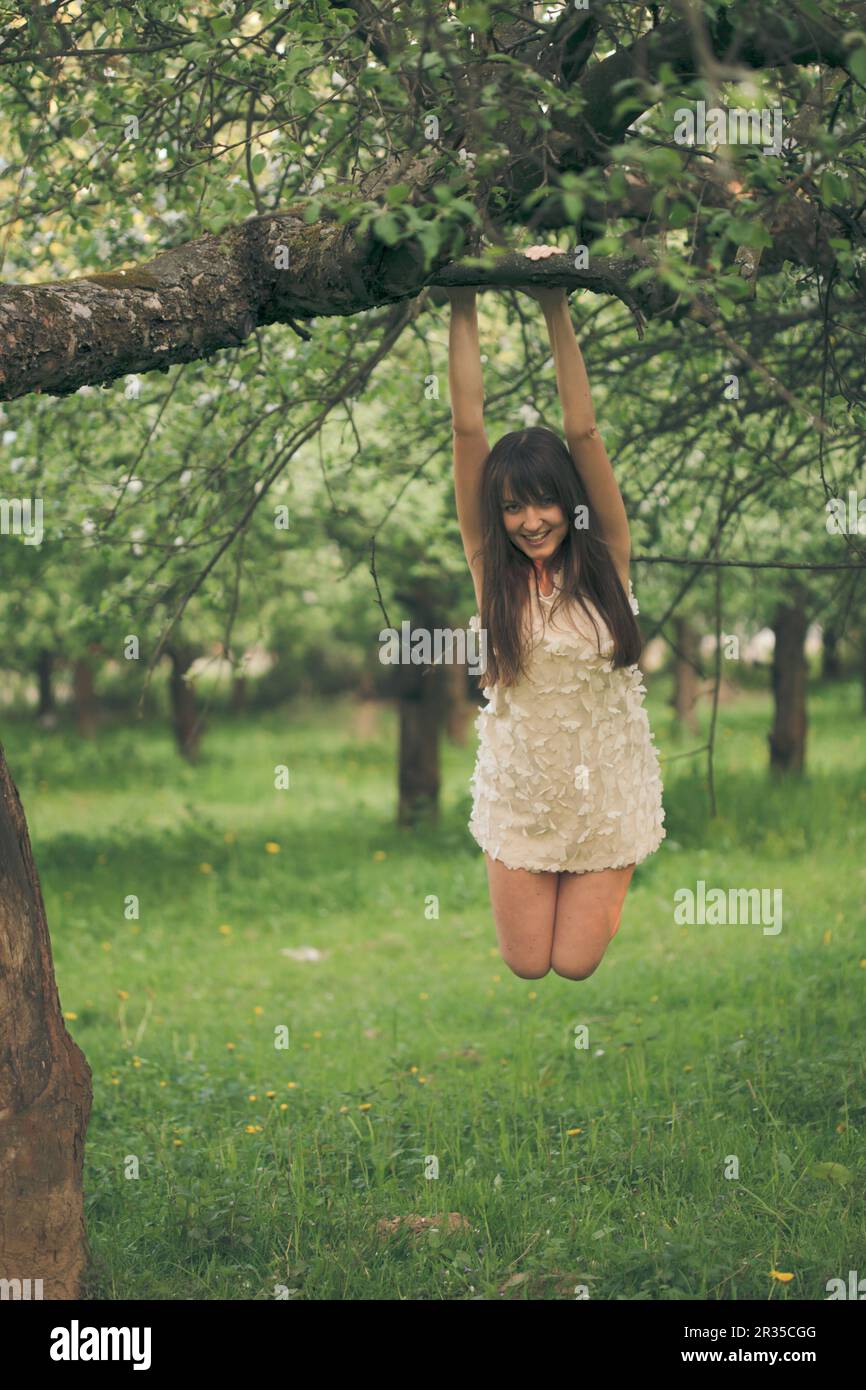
(566, 789)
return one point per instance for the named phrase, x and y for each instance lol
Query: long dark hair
(535, 464)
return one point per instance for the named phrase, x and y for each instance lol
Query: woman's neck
(545, 580)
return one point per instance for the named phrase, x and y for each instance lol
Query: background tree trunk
(831, 664)
(44, 671)
(685, 691)
(186, 717)
(419, 750)
(84, 698)
(45, 1083)
(422, 703)
(460, 710)
(239, 694)
(788, 735)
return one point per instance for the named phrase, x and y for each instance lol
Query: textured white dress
(567, 775)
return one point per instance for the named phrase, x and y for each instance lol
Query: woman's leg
(588, 910)
(524, 909)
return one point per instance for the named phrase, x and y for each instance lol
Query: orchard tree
(181, 182)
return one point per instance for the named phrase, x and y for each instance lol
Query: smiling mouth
(536, 540)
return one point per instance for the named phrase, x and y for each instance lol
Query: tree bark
(460, 709)
(45, 1082)
(187, 720)
(84, 698)
(214, 291)
(240, 691)
(419, 753)
(685, 692)
(788, 735)
(44, 672)
(422, 704)
(831, 663)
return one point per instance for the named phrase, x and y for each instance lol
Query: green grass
(602, 1167)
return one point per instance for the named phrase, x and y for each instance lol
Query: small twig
(691, 753)
(379, 598)
(711, 742)
(301, 332)
(702, 563)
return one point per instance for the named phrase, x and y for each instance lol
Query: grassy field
(267, 1171)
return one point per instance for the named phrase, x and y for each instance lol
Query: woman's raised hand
(461, 294)
(546, 296)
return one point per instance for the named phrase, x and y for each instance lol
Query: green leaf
(573, 205)
(428, 239)
(857, 65)
(751, 233)
(663, 163)
(606, 246)
(627, 105)
(617, 184)
(833, 1172)
(387, 229)
(833, 188)
(258, 163)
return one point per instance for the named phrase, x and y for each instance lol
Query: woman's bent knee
(574, 970)
(528, 969)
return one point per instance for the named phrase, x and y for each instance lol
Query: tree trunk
(419, 759)
(44, 671)
(831, 664)
(788, 735)
(422, 707)
(45, 1083)
(84, 697)
(186, 718)
(239, 695)
(685, 692)
(460, 709)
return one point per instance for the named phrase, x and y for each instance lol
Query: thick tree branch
(769, 40)
(213, 292)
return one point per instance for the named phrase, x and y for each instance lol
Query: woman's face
(536, 528)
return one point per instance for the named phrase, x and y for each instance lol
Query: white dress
(567, 775)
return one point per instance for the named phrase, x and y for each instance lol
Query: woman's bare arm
(581, 433)
(469, 439)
